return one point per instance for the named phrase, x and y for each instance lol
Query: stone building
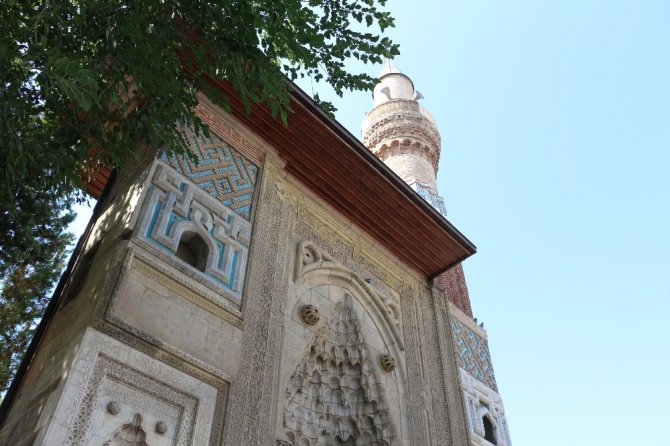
(282, 287)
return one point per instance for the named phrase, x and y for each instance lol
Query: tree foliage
(34, 249)
(98, 79)
(87, 82)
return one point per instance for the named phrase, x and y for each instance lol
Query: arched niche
(193, 250)
(486, 425)
(193, 237)
(326, 284)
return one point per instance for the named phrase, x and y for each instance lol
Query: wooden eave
(335, 165)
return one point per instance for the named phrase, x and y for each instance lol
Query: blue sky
(555, 124)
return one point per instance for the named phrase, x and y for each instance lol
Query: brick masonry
(453, 281)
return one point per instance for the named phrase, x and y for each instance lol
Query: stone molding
(131, 257)
(253, 389)
(450, 370)
(351, 246)
(153, 270)
(125, 260)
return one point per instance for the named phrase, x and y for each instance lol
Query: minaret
(404, 135)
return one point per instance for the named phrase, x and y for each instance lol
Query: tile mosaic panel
(176, 208)
(473, 353)
(430, 195)
(220, 170)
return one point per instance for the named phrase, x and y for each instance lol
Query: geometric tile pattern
(175, 208)
(219, 169)
(430, 195)
(473, 353)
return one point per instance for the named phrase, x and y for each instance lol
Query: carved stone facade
(216, 300)
(111, 385)
(404, 135)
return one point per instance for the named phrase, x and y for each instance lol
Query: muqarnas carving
(192, 227)
(335, 396)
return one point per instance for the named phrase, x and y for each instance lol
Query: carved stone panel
(112, 384)
(313, 264)
(323, 282)
(251, 394)
(138, 409)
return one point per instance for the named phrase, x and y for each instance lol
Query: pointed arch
(314, 267)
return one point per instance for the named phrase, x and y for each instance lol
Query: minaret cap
(389, 68)
(394, 84)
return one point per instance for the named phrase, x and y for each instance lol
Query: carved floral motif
(387, 363)
(309, 314)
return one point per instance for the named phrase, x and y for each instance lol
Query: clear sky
(555, 124)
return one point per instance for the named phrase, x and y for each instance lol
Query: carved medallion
(309, 314)
(113, 407)
(387, 363)
(161, 427)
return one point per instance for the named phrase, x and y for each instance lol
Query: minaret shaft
(401, 132)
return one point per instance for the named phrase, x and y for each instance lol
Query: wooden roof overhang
(337, 167)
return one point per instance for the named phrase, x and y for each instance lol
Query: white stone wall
(393, 86)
